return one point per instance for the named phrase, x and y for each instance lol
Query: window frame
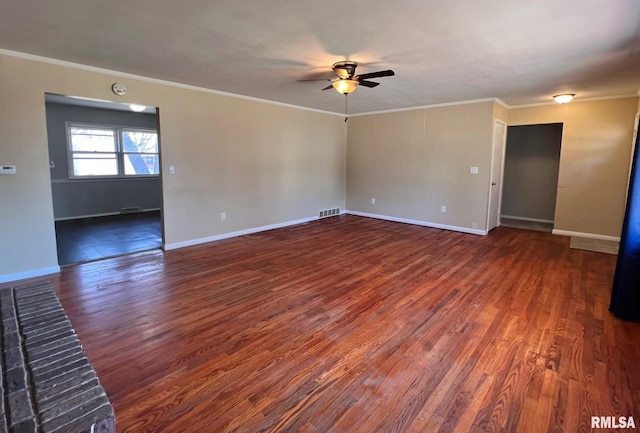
(119, 151)
(124, 153)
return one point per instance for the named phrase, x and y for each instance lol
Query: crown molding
(423, 107)
(79, 66)
(595, 98)
(501, 102)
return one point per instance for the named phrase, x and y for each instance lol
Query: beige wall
(262, 164)
(500, 112)
(413, 162)
(594, 161)
(266, 164)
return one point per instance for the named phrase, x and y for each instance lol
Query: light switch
(172, 169)
(474, 170)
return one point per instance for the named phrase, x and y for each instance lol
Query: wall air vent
(329, 212)
(135, 209)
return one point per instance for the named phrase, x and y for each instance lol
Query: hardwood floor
(87, 239)
(351, 324)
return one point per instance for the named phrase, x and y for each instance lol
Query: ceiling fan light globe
(345, 86)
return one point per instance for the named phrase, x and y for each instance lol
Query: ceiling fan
(348, 81)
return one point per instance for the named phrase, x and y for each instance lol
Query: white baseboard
(29, 274)
(79, 217)
(586, 235)
(97, 215)
(419, 223)
(176, 245)
(534, 220)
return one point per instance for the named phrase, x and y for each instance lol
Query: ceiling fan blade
(328, 87)
(368, 83)
(387, 73)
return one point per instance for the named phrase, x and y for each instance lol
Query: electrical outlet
(223, 216)
(474, 225)
(443, 209)
(373, 201)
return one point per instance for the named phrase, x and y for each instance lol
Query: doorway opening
(532, 163)
(105, 178)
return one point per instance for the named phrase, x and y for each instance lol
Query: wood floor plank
(351, 324)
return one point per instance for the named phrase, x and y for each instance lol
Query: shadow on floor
(88, 239)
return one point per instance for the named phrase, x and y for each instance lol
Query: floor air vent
(134, 209)
(329, 212)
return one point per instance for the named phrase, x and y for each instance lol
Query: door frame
(109, 104)
(504, 146)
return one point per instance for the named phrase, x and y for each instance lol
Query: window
(98, 151)
(140, 149)
(94, 151)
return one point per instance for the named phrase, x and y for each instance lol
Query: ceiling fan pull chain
(346, 96)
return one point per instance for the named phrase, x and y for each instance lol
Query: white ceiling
(521, 52)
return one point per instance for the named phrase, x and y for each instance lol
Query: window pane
(92, 139)
(139, 141)
(104, 164)
(141, 163)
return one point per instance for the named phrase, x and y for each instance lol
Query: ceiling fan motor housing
(345, 69)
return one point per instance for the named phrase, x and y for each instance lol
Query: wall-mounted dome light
(564, 98)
